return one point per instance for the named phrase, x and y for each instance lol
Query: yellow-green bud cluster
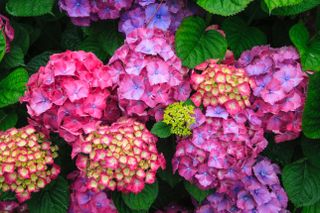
(180, 117)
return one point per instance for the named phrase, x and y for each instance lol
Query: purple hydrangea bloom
(279, 91)
(82, 12)
(158, 16)
(220, 149)
(148, 13)
(248, 193)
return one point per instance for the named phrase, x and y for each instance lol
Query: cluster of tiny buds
(180, 116)
(26, 161)
(222, 85)
(122, 156)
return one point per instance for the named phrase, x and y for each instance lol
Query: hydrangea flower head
(13, 206)
(180, 117)
(26, 162)
(250, 194)
(219, 149)
(280, 88)
(122, 156)
(148, 74)
(221, 86)
(86, 200)
(69, 95)
(82, 12)
(166, 16)
(7, 31)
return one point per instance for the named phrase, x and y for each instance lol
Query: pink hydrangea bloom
(70, 95)
(85, 200)
(258, 191)
(26, 161)
(8, 206)
(13, 207)
(221, 86)
(148, 74)
(82, 12)
(219, 148)
(166, 16)
(6, 30)
(279, 88)
(122, 156)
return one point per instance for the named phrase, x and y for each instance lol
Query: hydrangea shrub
(159, 106)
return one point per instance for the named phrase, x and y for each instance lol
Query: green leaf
(121, 206)
(311, 113)
(54, 198)
(21, 37)
(90, 44)
(281, 153)
(281, 3)
(29, 7)
(299, 36)
(7, 120)
(161, 129)
(102, 39)
(311, 149)
(294, 9)
(168, 176)
(194, 44)
(310, 59)
(2, 45)
(301, 181)
(39, 60)
(195, 192)
(142, 200)
(13, 86)
(7, 196)
(14, 58)
(71, 38)
(224, 7)
(242, 37)
(309, 50)
(311, 209)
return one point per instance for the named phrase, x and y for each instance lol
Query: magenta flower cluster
(221, 86)
(280, 88)
(122, 156)
(166, 15)
(26, 162)
(83, 12)
(85, 200)
(6, 30)
(13, 206)
(148, 74)
(70, 94)
(259, 190)
(218, 148)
